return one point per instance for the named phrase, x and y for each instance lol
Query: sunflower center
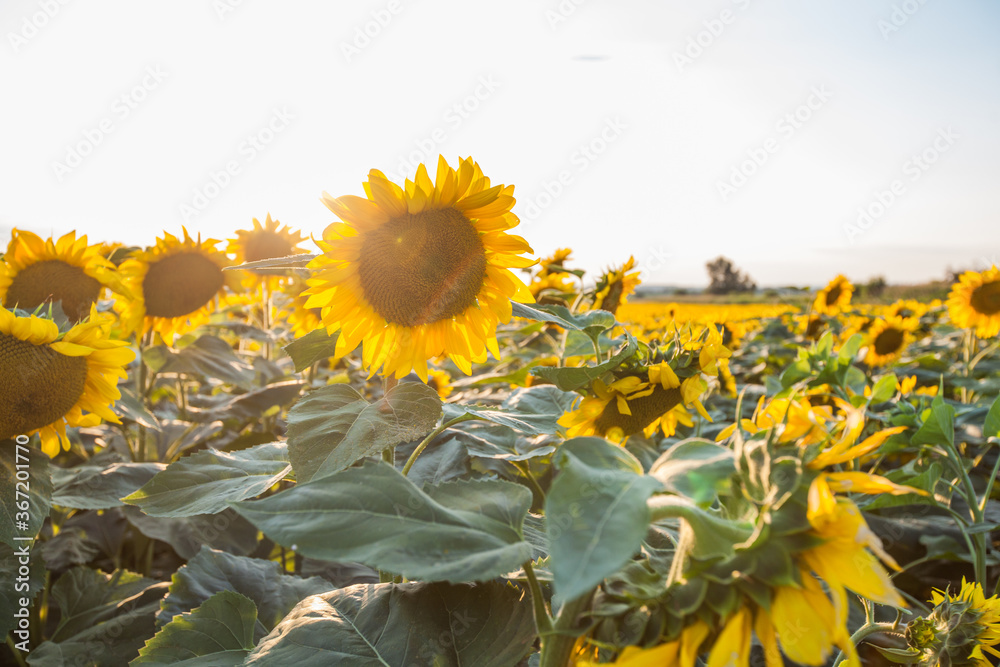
(889, 341)
(986, 298)
(417, 269)
(180, 284)
(37, 385)
(54, 280)
(833, 295)
(266, 245)
(644, 411)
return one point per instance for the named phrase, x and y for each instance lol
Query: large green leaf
(99, 487)
(273, 592)
(25, 491)
(991, 427)
(533, 411)
(219, 633)
(226, 530)
(208, 357)
(595, 515)
(251, 405)
(314, 346)
(698, 469)
(205, 481)
(103, 619)
(394, 625)
(333, 427)
(939, 426)
(571, 379)
(458, 531)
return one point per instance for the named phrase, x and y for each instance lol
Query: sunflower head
(959, 628)
(267, 241)
(35, 271)
(887, 339)
(48, 379)
(420, 270)
(974, 302)
(835, 297)
(173, 285)
(615, 286)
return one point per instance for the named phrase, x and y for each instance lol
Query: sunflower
(835, 297)
(682, 651)
(440, 382)
(420, 271)
(554, 263)
(974, 302)
(615, 286)
(887, 339)
(173, 285)
(48, 380)
(631, 405)
(908, 309)
(301, 320)
(264, 242)
(34, 271)
(959, 628)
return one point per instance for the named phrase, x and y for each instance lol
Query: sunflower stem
(557, 648)
(543, 621)
(525, 470)
(433, 434)
(863, 632)
(15, 652)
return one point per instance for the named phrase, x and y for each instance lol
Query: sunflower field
(417, 444)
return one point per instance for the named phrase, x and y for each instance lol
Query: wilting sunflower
(887, 339)
(835, 297)
(34, 271)
(615, 286)
(420, 271)
(264, 242)
(48, 380)
(631, 405)
(974, 302)
(173, 285)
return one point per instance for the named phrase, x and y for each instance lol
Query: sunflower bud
(949, 636)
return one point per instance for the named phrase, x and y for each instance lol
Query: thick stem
(557, 648)
(864, 631)
(543, 621)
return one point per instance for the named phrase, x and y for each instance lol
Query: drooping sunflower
(835, 297)
(48, 380)
(615, 286)
(173, 285)
(887, 339)
(974, 302)
(631, 405)
(267, 241)
(420, 271)
(35, 271)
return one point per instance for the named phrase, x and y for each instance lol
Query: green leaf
(390, 625)
(698, 469)
(541, 314)
(226, 530)
(484, 440)
(286, 262)
(939, 426)
(204, 482)
(99, 487)
(251, 405)
(334, 427)
(533, 411)
(571, 379)
(884, 389)
(991, 427)
(458, 531)
(595, 514)
(14, 586)
(273, 592)
(714, 536)
(130, 408)
(314, 346)
(219, 633)
(208, 358)
(25, 491)
(850, 348)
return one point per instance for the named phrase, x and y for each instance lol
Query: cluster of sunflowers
(752, 533)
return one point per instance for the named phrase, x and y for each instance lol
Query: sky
(799, 139)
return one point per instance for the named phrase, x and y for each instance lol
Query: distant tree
(875, 287)
(725, 278)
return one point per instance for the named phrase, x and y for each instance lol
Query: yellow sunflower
(300, 320)
(173, 285)
(420, 271)
(631, 405)
(887, 339)
(264, 242)
(34, 271)
(48, 380)
(440, 382)
(835, 297)
(974, 302)
(615, 286)
(959, 629)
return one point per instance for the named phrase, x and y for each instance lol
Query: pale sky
(671, 131)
